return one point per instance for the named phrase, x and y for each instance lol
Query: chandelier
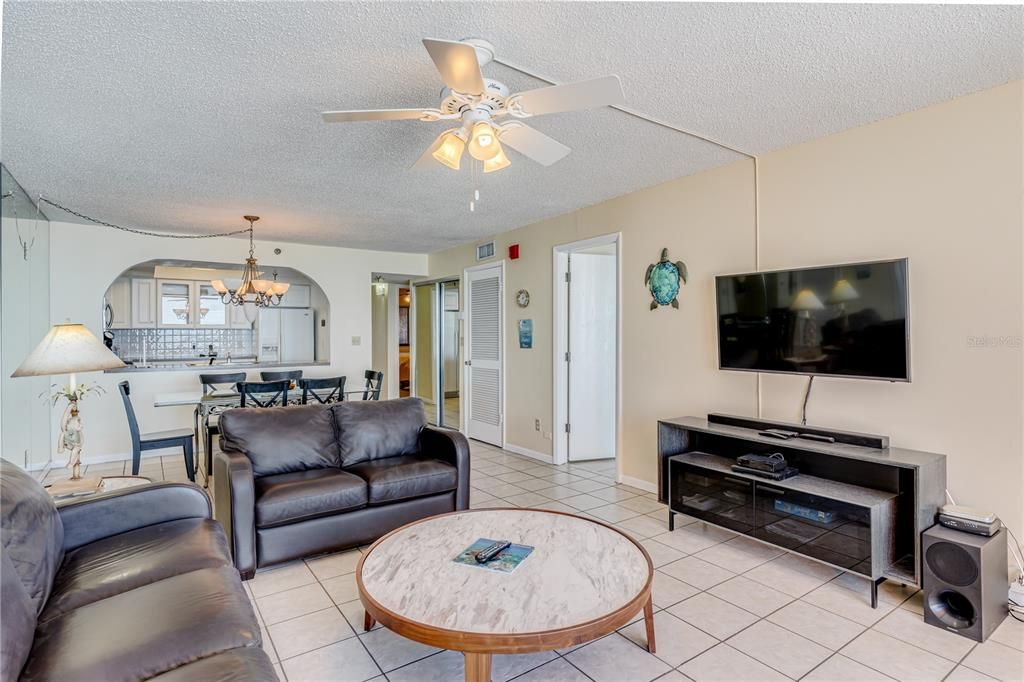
(250, 291)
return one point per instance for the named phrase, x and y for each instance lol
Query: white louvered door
(484, 355)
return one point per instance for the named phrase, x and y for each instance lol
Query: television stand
(857, 505)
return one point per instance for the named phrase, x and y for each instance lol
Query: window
(212, 313)
(174, 304)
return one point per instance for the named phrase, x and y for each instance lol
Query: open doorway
(404, 356)
(587, 351)
(436, 343)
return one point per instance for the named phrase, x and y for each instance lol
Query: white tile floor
(727, 608)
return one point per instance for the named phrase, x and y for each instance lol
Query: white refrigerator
(286, 335)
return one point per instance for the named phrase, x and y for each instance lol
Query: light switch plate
(357, 340)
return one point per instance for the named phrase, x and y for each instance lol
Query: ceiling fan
(475, 102)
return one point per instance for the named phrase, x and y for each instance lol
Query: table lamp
(68, 349)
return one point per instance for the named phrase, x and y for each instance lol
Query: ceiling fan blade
(597, 92)
(533, 144)
(372, 115)
(427, 160)
(457, 64)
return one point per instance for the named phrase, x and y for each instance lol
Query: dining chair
(373, 381)
(157, 439)
(263, 393)
(210, 421)
(291, 375)
(324, 391)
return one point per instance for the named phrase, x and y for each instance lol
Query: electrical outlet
(547, 435)
(536, 425)
(357, 340)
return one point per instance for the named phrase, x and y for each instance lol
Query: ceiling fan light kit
(476, 102)
(450, 150)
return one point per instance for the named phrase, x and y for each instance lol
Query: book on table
(506, 561)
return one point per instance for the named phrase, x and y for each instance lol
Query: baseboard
(126, 456)
(527, 452)
(638, 483)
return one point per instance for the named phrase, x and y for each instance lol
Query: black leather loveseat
(129, 585)
(295, 481)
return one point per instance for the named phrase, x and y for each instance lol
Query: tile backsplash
(171, 344)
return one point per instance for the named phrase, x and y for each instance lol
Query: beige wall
(941, 186)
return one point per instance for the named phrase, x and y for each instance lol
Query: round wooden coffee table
(584, 579)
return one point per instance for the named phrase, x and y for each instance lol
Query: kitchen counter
(199, 365)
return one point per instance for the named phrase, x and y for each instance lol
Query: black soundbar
(866, 440)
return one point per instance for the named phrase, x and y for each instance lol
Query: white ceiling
(183, 116)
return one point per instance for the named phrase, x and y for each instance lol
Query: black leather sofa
(130, 585)
(296, 481)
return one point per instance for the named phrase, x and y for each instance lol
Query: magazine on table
(507, 560)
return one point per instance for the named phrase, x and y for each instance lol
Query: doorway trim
(463, 357)
(560, 345)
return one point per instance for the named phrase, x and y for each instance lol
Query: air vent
(485, 251)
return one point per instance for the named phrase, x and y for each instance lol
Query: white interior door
(592, 360)
(484, 404)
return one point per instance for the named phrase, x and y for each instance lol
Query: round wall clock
(523, 298)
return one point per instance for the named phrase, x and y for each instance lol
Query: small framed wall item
(526, 333)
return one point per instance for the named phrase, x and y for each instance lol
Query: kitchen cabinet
(297, 296)
(143, 303)
(118, 304)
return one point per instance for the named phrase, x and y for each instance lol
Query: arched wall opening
(162, 313)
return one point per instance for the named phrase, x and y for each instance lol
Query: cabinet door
(297, 296)
(712, 496)
(144, 303)
(174, 304)
(824, 529)
(119, 298)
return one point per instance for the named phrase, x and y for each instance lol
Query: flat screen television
(839, 320)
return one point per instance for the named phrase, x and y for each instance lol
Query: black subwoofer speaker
(965, 581)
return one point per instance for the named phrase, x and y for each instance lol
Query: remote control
(781, 435)
(491, 551)
(814, 436)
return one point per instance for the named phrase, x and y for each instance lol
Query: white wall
(85, 259)
(941, 186)
(24, 320)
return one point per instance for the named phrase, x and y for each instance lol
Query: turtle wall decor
(663, 279)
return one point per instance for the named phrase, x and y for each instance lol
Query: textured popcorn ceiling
(183, 116)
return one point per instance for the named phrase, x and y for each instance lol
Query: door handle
(770, 490)
(737, 480)
(469, 363)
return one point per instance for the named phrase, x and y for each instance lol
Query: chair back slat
(291, 375)
(133, 423)
(214, 382)
(324, 391)
(263, 393)
(373, 381)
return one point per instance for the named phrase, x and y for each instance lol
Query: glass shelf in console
(825, 529)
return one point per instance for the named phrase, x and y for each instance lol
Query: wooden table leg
(478, 667)
(368, 621)
(649, 623)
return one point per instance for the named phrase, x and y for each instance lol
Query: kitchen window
(175, 304)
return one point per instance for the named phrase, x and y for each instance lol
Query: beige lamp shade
(66, 349)
(806, 300)
(842, 292)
